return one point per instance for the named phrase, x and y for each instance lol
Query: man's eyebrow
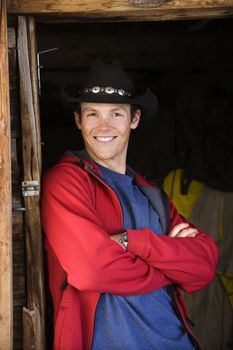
(93, 109)
(88, 109)
(118, 108)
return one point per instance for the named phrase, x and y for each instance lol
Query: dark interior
(187, 64)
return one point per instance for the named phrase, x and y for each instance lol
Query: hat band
(105, 90)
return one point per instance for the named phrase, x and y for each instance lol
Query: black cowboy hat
(109, 83)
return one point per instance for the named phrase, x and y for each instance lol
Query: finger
(189, 235)
(188, 232)
(115, 237)
(177, 228)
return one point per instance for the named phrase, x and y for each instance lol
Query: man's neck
(108, 164)
(118, 167)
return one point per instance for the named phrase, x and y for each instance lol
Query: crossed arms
(95, 262)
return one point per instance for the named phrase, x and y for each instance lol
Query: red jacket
(79, 212)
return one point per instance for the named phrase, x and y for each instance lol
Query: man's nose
(104, 123)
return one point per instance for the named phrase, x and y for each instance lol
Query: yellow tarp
(183, 203)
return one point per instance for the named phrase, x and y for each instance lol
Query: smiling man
(118, 251)
(106, 129)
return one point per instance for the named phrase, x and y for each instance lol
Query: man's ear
(136, 119)
(77, 120)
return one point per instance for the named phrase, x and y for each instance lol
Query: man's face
(106, 129)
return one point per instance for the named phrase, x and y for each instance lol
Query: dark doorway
(181, 62)
(187, 64)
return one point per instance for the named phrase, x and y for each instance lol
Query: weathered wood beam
(6, 292)
(19, 275)
(34, 314)
(122, 10)
(34, 79)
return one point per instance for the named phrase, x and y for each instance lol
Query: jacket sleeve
(189, 262)
(90, 258)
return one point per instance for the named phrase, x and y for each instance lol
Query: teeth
(104, 139)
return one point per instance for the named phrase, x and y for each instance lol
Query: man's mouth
(104, 138)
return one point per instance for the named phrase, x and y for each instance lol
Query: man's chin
(103, 157)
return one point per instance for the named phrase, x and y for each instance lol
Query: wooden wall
(6, 270)
(19, 277)
(122, 10)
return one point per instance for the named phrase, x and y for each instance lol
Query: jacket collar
(150, 191)
(84, 156)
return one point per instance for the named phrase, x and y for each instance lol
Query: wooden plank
(19, 274)
(34, 79)
(34, 331)
(124, 10)
(6, 297)
(31, 322)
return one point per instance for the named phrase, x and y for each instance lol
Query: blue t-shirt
(137, 322)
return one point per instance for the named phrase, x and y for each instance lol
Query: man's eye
(92, 114)
(116, 114)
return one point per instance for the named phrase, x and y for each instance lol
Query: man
(118, 251)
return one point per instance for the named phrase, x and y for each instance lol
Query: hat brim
(147, 102)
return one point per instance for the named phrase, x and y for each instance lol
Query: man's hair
(78, 108)
(133, 110)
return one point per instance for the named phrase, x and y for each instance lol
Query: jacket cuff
(138, 242)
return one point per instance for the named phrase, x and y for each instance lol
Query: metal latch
(30, 188)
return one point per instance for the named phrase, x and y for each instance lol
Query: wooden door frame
(124, 10)
(34, 311)
(6, 285)
(119, 10)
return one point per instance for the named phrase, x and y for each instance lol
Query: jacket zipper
(182, 317)
(91, 170)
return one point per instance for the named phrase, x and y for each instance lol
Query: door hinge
(30, 188)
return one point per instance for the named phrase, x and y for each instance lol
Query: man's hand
(179, 230)
(183, 230)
